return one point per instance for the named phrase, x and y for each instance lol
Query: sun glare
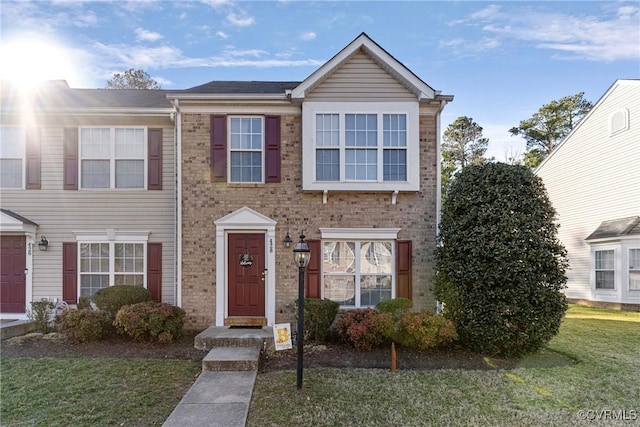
(28, 61)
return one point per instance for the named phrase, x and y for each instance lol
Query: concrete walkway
(221, 395)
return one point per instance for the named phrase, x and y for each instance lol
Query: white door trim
(245, 220)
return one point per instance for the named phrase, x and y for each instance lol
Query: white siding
(594, 176)
(59, 213)
(360, 79)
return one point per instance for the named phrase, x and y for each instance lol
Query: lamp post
(301, 256)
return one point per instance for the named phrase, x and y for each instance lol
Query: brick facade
(204, 201)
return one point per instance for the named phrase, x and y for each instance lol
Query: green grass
(91, 392)
(603, 373)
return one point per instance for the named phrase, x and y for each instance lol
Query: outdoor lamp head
(301, 253)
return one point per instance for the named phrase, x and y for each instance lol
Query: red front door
(13, 262)
(246, 275)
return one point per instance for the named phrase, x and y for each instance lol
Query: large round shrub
(84, 325)
(365, 328)
(318, 316)
(112, 298)
(150, 321)
(500, 265)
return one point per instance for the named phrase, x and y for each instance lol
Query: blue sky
(501, 60)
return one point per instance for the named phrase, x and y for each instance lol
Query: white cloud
(222, 35)
(146, 35)
(240, 20)
(307, 35)
(610, 36)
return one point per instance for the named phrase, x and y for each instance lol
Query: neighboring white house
(593, 180)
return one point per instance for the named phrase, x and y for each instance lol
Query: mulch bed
(315, 356)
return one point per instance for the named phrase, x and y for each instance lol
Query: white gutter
(178, 260)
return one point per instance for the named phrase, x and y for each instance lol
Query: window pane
(128, 257)
(11, 173)
(246, 133)
(605, 260)
(374, 289)
(95, 143)
(605, 280)
(634, 269)
(394, 167)
(361, 130)
(129, 173)
(327, 130)
(129, 279)
(394, 130)
(246, 166)
(375, 257)
(341, 289)
(327, 165)
(11, 142)
(91, 283)
(361, 165)
(95, 174)
(129, 143)
(339, 257)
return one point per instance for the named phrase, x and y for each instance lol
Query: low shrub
(424, 330)
(365, 328)
(151, 320)
(39, 315)
(84, 325)
(318, 316)
(84, 302)
(397, 307)
(112, 298)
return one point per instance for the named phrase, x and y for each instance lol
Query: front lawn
(78, 391)
(605, 344)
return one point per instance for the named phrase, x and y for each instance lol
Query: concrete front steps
(221, 395)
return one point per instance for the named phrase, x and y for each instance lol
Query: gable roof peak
(383, 58)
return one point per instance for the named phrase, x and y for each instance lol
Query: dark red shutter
(154, 178)
(33, 159)
(272, 148)
(154, 270)
(403, 269)
(70, 159)
(219, 148)
(70, 272)
(313, 278)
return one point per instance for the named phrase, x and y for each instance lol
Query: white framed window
(113, 157)
(246, 148)
(358, 146)
(358, 265)
(104, 264)
(12, 154)
(605, 269)
(634, 269)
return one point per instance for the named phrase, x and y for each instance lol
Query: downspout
(178, 266)
(443, 102)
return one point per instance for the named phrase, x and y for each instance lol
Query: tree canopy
(132, 79)
(462, 145)
(500, 266)
(550, 125)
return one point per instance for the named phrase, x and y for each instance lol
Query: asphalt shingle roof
(616, 228)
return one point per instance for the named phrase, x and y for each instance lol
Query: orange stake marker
(393, 357)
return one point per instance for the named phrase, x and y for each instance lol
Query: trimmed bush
(365, 328)
(397, 307)
(425, 330)
(84, 302)
(500, 266)
(318, 316)
(112, 298)
(84, 325)
(150, 321)
(39, 315)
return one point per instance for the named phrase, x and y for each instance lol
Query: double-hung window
(357, 273)
(361, 146)
(605, 269)
(104, 264)
(12, 152)
(634, 269)
(246, 142)
(113, 157)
